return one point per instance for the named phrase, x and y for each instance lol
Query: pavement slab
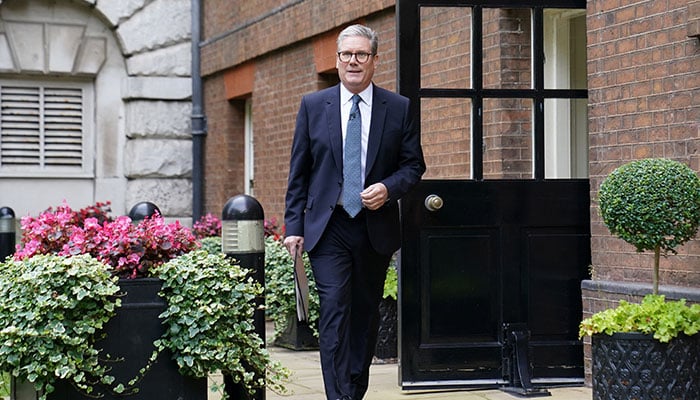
(306, 383)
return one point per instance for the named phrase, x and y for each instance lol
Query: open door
(497, 236)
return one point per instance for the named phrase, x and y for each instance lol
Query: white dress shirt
(365, 112)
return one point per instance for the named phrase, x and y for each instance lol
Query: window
(500, 87)
(45, 128)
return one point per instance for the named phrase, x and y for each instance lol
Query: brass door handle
(433, 202)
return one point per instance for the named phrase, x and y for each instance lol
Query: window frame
(409, 76)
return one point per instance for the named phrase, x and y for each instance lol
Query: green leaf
(654, 315)
(208, 318)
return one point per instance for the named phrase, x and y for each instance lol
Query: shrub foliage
(51, 313)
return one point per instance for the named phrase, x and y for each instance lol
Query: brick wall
(237, 31)
(644, 101)
(276, 97)
(281, 78)
(223, 163)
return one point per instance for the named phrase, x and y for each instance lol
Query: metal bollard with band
(7, 232)
(243, 238)
(142, 210)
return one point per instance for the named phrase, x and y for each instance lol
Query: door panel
(495, 271)
(497, 252)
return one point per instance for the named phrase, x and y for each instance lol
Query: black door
(497, 236)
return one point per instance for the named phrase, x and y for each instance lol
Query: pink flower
(207, 226)
(132, 250)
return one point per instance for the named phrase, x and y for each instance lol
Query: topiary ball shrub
(653, 204)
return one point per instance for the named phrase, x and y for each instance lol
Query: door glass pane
(507, 48)
(565, 138)
(445, 47)
(446, 137)
(564, 49)
(507, 150)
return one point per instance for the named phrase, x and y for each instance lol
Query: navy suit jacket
(394, 157)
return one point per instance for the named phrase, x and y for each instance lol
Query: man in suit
(342, 204)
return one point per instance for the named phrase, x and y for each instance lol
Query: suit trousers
(349, 277)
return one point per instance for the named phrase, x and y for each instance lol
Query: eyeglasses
(361, 57)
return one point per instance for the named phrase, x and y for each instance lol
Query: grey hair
(360, 30)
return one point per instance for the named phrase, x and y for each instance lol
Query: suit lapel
(375, 129)
(334, 130)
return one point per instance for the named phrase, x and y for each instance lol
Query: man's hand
(374, 196)
(294, 244)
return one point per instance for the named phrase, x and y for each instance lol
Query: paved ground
(305, 383)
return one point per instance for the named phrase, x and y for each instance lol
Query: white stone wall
(138, 52)
(154, 37)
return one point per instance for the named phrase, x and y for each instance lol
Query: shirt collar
(366, 95)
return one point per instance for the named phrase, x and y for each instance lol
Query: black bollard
(142, 210)
(243, 238)
(7, 232)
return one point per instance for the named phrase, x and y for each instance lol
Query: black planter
(129, 336)
(297, 336)
(388, 330)
(634, 366)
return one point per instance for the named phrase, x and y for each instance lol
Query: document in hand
(301, 287)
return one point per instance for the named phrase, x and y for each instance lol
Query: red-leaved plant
(272, 230)
(132, 250)
(207, 226)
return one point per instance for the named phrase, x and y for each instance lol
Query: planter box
(387, 337)
(129, 336)
(637, 366)
(297, 336)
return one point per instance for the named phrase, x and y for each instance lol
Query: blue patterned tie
(352, 165)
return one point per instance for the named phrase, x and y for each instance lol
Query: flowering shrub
(99, 210)
(272, 230)
(131, 250)
(207, 226)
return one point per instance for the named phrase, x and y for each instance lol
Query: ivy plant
(52, 311)
(280, 296)
(209, 321)
(391, 283)
(212, 244)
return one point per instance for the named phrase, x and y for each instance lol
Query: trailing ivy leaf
(53, 337)
(208, 320)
